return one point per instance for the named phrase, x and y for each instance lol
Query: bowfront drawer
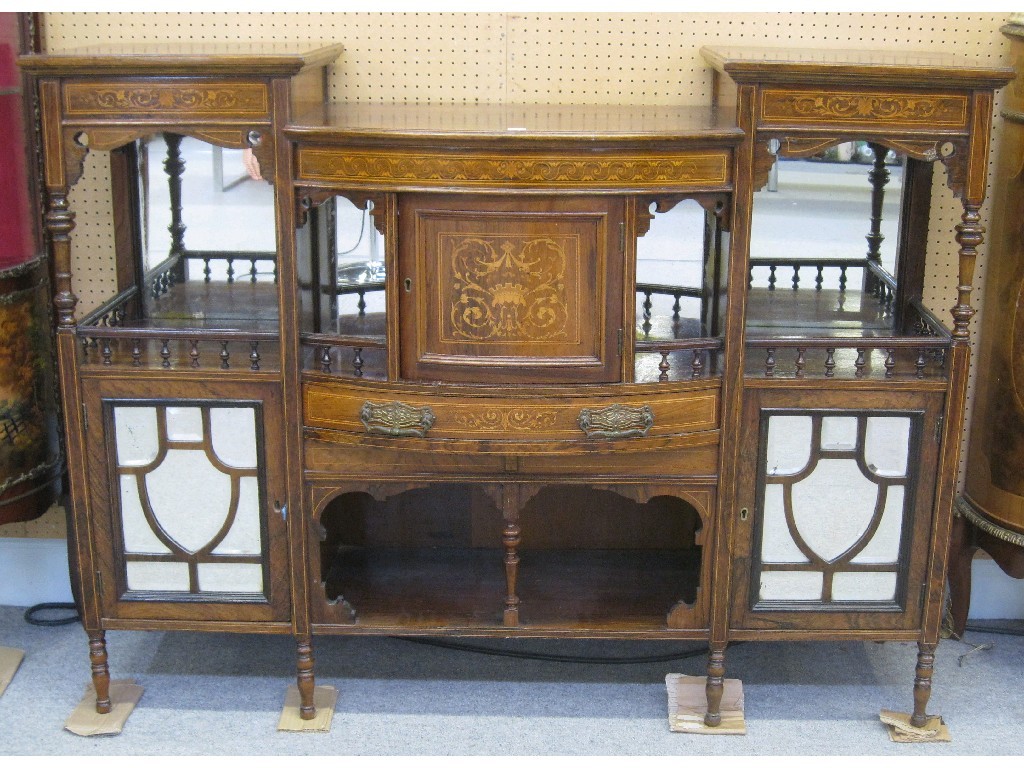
(863, 108)
(599, 418)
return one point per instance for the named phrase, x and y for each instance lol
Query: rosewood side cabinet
(586, 383)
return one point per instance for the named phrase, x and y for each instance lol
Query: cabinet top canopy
(250, 58)
(855, 67)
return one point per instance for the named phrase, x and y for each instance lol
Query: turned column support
(715, 685)
(304, 677)
(58, 223)
(100, 670)
(510, 498)
(923, 683)
(174, 167)
(969, 235)
(879, 177)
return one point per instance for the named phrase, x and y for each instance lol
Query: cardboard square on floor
(324, 699)
(86, 721)
(10, 660)
(901, 731)
(687, 703)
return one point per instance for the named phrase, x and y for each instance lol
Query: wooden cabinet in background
(990, 513)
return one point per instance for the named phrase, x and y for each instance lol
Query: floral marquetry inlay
(847, 107)
(509, 288)
(222, 99)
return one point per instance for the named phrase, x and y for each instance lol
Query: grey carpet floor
(211, 694)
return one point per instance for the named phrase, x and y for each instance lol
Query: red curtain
(16, 222)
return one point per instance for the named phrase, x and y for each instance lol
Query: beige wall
(521, 58)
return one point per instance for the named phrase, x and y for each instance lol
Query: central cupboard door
(511, 289)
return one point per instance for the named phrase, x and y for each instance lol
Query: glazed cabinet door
(186, 499)
(835, 512)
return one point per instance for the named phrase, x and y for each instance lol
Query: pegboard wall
(565, 58)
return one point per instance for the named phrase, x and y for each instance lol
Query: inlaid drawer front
(696, 168)
(787, 106)
(224, 100)
(507, 419)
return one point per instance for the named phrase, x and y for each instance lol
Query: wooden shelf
(465, 587)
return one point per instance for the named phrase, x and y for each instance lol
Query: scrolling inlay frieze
(847, 107)
(700, 168)
(507, 420)
(222, 99)
(508, 288)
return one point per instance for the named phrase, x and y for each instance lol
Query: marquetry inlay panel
(864, 108)
(700, 169)
(225, 100)
(510, 288)
(505, 290)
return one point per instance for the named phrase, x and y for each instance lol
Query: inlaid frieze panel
(864, 108)
(190, 484)
(835, 500)
(206, 99)
(697, 168)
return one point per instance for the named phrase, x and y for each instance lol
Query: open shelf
(465, 587)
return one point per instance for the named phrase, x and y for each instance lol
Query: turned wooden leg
(961, 555)
(304, 679)
(100, 671)
(511, 539)
(923, 683)
(715, 686)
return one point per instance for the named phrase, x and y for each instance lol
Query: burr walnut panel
(219, 99)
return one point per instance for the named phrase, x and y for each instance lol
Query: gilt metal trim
(396, 419)
(616, 421)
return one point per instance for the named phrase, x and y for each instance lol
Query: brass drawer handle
(616, 421)
(396, 419)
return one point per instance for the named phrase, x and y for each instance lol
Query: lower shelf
(558, 589)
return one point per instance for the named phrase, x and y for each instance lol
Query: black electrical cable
(1016, 632)
(566, 659)
(30, 615)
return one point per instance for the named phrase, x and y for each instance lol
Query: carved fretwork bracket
(308, 198)
(764, 159)
(75, 149)
(806, 146)
(380, 491)
(955, 155)
(378, 211)
(78, 141)
(715, 204)
(702, 500)
(952, 153)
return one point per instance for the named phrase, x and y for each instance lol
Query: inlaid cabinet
(588, 371)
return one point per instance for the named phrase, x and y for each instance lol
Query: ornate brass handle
(396, 419)
(616, 421)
